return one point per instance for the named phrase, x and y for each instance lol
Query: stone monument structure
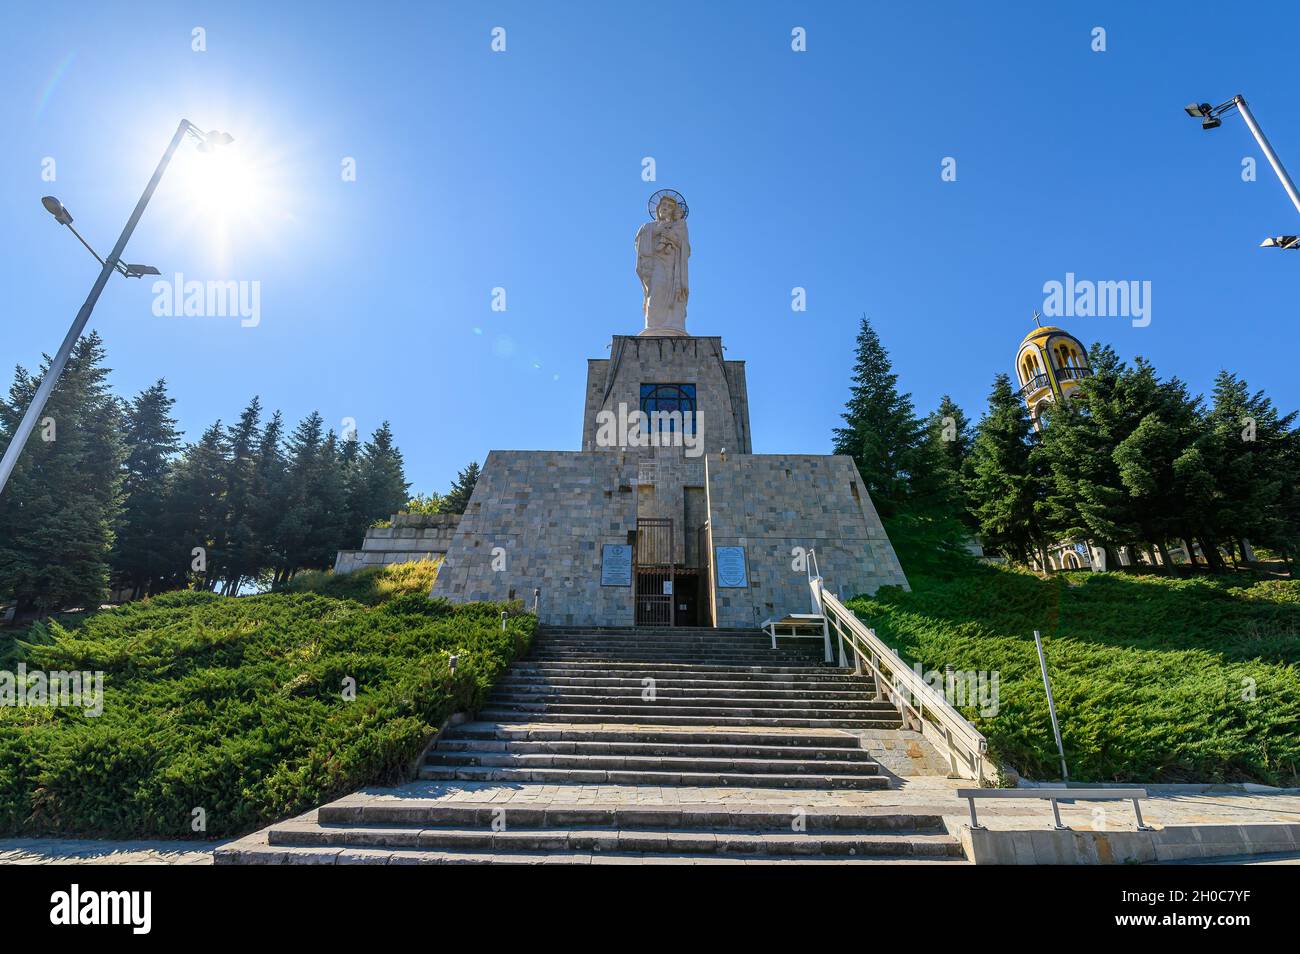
(665, 516)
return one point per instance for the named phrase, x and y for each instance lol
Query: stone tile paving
(67, 851)
(1166, 804)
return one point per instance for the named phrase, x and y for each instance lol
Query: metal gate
(654, 576)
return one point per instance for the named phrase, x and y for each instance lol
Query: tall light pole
(109, 265)
(1210, 119)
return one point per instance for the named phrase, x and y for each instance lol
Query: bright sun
(227, 196)
(223, 183)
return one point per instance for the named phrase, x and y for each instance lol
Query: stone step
(643, 749)
(243, 854)
(667, 717)
(636, 734)
(561, 701)
(469, 773)
(650, 841)
(655, 763)
(648, 632)
(680, 659)
(761, 653)
(603, 667)
(443, 813)
(671, 688)
(763, 647)
(811, 680)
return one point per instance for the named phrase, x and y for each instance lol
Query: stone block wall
(772, 503)
(411, 538)
(719, 386)
(549, 513)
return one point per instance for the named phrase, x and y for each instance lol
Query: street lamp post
(1210, 119)
(109, 265)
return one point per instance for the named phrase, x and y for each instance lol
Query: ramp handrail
(919, 703)
(1058, 794)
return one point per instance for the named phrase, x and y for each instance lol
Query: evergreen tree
(62, 502)
(1004, 480)
(269, 498)
(144, 554)
(198, 510)
(329, 527)
(457, 498)
(380, 488)
(1159, 464)
(354, 495)
(881, 431)
(944, 451)
(1251, 447)
(297, 534)
(242, 558)
(1086, 498)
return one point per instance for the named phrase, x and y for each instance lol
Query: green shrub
(236, 705)
(1156, 679)
(371, 585)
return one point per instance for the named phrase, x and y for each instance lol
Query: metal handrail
(1059, 794)
(1036, 383)
(916, 700)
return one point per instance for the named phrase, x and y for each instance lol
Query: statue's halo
(673, 194)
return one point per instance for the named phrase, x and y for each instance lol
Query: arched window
(668, 407)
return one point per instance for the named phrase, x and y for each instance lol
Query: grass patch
(236, 706)
(1155, 679)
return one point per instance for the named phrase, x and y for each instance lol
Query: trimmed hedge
(236, 705)
(1156, 679)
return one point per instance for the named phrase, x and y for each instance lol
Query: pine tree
(330, 519)
(144, 553)
(241, 559)
(1252, 449)
(1086, 498)
(1004, 481)
(296, 532)
(63, 499)
(381, 488)
(198, 510)
(944, 451)
(270, 498)
(881, 431)
(457, 498)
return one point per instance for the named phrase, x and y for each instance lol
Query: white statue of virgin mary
(662, 248)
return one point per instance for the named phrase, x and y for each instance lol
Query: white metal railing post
(1051, 705)
(818, 603)
(919, 705)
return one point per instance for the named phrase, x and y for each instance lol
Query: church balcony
(1072, 374)
(1038, 382)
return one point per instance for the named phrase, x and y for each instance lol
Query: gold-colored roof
(1045, 332)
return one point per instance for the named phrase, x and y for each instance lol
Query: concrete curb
(983, 846)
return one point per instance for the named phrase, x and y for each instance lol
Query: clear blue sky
(523, 170)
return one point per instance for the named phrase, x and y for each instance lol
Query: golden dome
(1044, 332)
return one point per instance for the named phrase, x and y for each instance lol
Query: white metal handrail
(920, 704)
(1058, 794)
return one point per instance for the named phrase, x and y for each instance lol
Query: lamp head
(1198, 110)
(56, 209)
(1281, 241)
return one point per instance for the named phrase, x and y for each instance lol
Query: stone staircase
(701, 707)
(610, 720)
